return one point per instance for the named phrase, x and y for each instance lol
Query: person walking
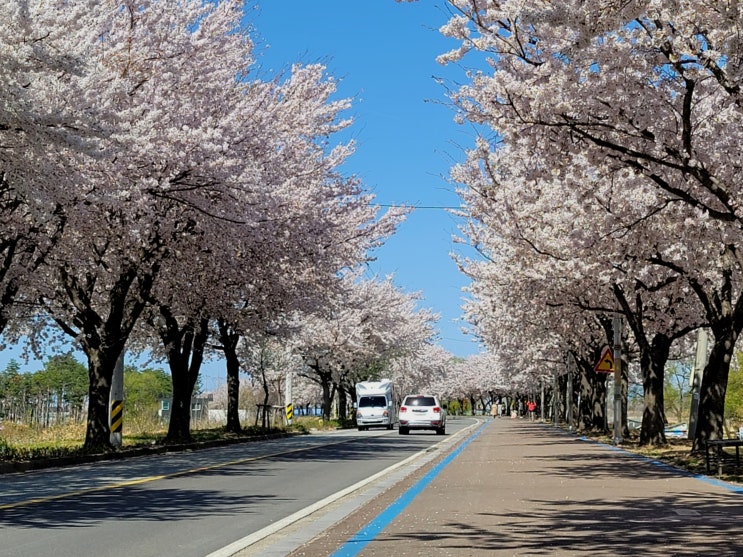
(531, 406)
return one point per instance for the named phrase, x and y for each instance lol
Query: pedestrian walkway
(522, 488)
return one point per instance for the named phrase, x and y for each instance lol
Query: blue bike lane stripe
(660, 464)
(367, 534)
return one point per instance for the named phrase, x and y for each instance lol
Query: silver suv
(422, 412)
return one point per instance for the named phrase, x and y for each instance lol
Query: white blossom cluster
(613, 182)
(152, 186)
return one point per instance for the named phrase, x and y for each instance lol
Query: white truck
(376, 405)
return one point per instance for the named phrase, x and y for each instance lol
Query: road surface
(199, 503)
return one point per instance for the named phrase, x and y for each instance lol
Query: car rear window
(420, 401)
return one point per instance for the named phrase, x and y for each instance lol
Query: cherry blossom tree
(131, 207)
(306, 394)
(638, 92)
(181, 166)
(422, 371)
(286, 257)
(47, 121)
(46, 127)
(268, 361)
(591, 257)
(369, 325)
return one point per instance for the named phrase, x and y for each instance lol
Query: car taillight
(436, 409)
(403, 409)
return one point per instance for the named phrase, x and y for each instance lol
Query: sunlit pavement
(526, 488)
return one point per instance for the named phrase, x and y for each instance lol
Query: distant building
(199, 407)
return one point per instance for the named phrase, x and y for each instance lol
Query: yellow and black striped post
(288, 398)
(289, 413)
(117, 416)
(116, 413)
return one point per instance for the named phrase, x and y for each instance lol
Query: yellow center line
(148, 479)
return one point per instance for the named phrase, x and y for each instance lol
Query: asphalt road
(209, 502)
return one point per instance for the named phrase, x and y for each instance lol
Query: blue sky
(384, 54)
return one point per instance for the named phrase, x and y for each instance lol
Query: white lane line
(259, 535)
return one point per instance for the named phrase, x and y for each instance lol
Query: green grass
(20, 442)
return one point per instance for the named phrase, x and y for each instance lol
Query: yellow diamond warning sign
(606, 363)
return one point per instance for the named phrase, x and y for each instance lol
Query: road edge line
(255, 537)
(354, 545)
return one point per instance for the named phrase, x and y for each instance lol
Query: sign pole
(607, 404)
(606, 365)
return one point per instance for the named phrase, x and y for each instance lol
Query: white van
(375, 404)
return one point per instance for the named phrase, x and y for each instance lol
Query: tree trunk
(103, 339)
(184, 349)
(653, 360)
(324, 378)
(714, 386)
(327, 399)
(342, 403)
(101, 363)
(591, 409)
(229, 340)
(179, 426)
(233, 393)
(726, 322)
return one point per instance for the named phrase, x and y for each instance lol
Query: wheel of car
(361, 428)
(404, 431)
(441, 431)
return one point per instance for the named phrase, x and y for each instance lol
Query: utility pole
(288, 398)
(116, 414)
(555, 401)
(541, 400)
(617, 329)
(696, 380)
(569, 395)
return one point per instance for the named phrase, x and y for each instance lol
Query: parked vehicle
(422, 412)
(375, 404)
